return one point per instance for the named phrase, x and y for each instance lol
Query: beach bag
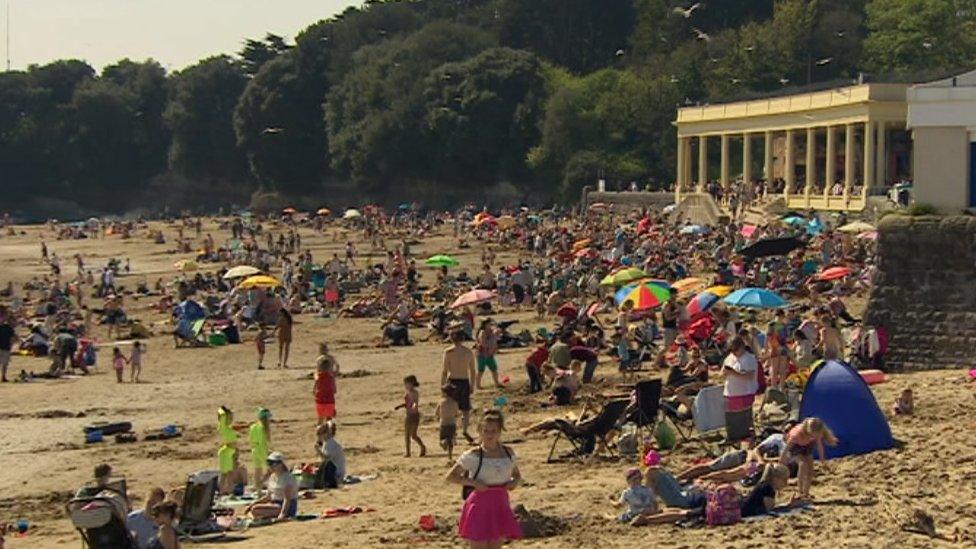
(88, 358)
(723, 506)
(665, 436)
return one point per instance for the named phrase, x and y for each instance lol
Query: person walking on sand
(283, 329)
(411, 405)
(135, 361)
(459, 371)
(118, 362)
(487, 344)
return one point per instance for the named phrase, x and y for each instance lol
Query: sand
(43, 457)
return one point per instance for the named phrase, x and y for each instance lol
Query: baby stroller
(100, 519)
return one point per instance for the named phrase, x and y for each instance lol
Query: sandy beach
(43, 456)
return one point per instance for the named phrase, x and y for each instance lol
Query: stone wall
(623, 202)
(925, 292)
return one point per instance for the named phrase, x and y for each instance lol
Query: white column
(881, 157)
(831, 167)
(679, 171)
(746, 159)
(723, 177)
(848, 161)
(868, 158)
(789, 168)
(811, 163)
(702, 163)
(768, 157)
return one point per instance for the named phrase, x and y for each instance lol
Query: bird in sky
(701, 35)
(271, 130)
(687, 12)
(840, 34)
(927, 45)
(674, 79)
(824, 61)
(735, 81)
(620, 53)
(784, 81)
(750, 48)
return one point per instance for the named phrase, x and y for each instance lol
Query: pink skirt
(488, 516)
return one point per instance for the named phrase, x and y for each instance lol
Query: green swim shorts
(487, 363)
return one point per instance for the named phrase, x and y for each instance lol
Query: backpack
(724, 506)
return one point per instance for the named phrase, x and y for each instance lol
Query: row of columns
(872, 156)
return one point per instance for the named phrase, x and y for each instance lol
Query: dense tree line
(441, 99)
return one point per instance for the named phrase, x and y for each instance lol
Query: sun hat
(276, 457)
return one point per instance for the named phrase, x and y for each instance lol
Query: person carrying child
(118, 362)
(447, 412)
(325, 389)
(411, 405)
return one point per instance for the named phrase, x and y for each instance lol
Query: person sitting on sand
(140, 522)
(332, 465)
(639, 499)
(281, 501)
(164, 514)
(905, 403)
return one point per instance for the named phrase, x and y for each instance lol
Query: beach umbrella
(505, 222)
(624, 277)
(720, 291)
(351, 213)
(323, 211)
(856, 227)
(441, 260)
(186, 265)
(588, 253)
(567, 311)
(868, 235)
(689, 284)
(701, 303)
(241, 271)
(772, 247)
(833, 273)
(473, 297)
(755, 298)
(794, 220)
(646, 296)
(289, 211)
(598, 207)
(259, 281)
(748, 230)
(692, 229)
(661, 289)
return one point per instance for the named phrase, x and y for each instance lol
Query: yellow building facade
(831, 148)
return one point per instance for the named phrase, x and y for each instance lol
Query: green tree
(376, 115)
(145, 88)
(482, 116)
(914, 35)
(581, 35)
(256, 53)
(200, 116)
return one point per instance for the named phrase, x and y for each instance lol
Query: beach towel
(335, 512)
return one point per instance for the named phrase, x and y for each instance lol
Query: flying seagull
(686, 13)
(750, 48)
(272, 130)
(674, 79)
(701, 35)
(620, 53)
(784, 81)
(840, 34)
(927, 45)
(735, 81)
(824, 61)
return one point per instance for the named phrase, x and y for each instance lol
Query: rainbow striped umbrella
(647, 296)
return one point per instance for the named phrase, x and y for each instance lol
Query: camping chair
(648, 394)
(707, 416)
(196, 510)
(100, 520)
(596, 429)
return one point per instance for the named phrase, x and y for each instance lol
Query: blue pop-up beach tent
(838, 395)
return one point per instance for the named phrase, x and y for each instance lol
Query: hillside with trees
(441, 100)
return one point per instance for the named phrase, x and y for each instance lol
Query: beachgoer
(164, 514)
(118, 362)
(259, 435)
(491, 471)
(7, 338)
(284, 330)
(761, 499)
(801, 442)
(639, 499)
(135, 361)
(261, 345)
(281, 503)
(332, 465)
(905, 403)
(459, 370)
(140, 522)
(534, 363)
(324, 390)
(447, 412)
(411, 421)
(740, 369)
(487, 346)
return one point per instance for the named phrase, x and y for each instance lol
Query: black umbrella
(772, 246)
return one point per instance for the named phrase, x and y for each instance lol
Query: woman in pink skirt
(490, 471)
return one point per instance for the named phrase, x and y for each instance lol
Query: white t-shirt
(279, 485)
(741, 385)
(337, 456)
(142, 527)
(494, 471)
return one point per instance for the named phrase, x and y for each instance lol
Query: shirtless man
(459, 370)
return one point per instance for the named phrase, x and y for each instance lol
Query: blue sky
(174, 32)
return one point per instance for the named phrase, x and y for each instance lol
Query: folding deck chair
(590, 431)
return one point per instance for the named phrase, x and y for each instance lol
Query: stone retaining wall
(925, 292)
